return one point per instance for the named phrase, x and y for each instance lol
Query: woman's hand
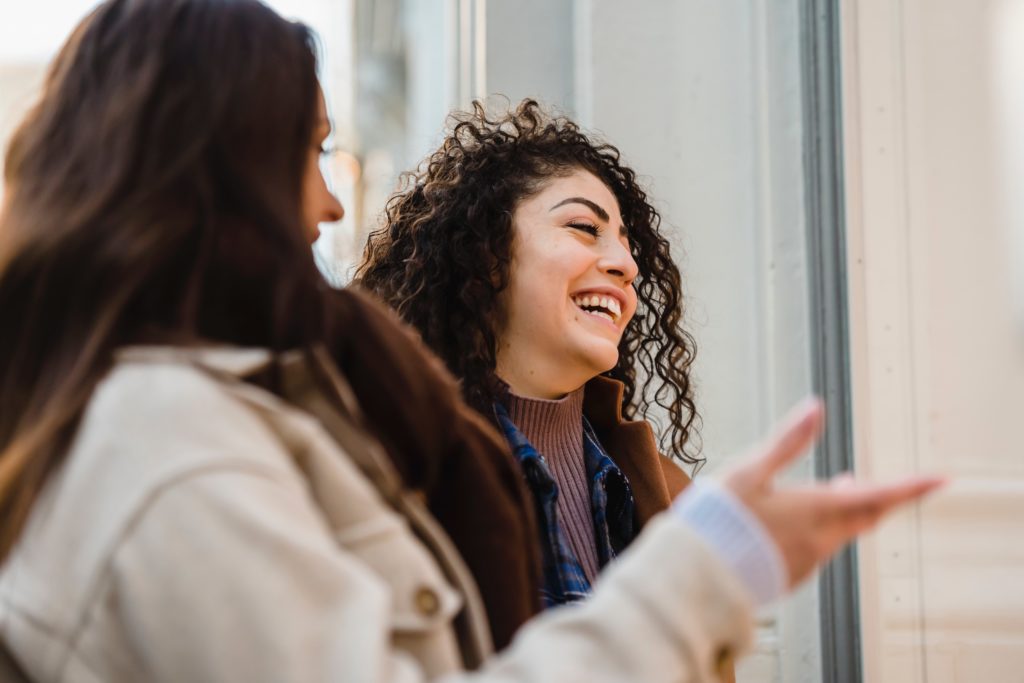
(810, 522)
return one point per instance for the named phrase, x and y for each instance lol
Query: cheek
(630, 310)
(517, 303)
(537, 275)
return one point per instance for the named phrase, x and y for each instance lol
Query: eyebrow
(601, 213)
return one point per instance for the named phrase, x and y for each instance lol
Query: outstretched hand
(812, 521)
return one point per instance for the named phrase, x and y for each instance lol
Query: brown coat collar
(654, 478)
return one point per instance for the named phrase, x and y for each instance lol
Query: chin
(592, 356)
(602, 363)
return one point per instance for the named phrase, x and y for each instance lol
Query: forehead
(579, 184)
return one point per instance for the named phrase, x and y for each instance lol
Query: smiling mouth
(606, 307)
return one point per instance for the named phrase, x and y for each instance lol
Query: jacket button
(427, 602)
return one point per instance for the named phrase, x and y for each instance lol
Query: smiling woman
(533, 264)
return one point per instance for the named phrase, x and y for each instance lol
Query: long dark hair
(442, 257)
(153, 195)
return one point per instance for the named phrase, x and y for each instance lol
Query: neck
(532, 390)
(531, 377)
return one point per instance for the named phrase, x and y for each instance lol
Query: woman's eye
(588, 228)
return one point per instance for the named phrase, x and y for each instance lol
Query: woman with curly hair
(531, 261)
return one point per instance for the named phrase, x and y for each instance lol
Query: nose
(333, 211)
(618, 262)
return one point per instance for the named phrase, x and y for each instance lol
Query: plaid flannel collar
(611, 503)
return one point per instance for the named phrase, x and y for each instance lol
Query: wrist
(727, 525)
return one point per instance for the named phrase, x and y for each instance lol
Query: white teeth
(612, 312)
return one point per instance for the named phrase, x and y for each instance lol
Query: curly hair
(442, 256)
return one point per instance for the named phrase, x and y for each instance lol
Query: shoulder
(168, 409)
(160, 416)
(152, 426)
(654, 478)
(675, 477)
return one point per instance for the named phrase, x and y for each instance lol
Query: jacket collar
(655, 479)
(602, 402)
(231, 360)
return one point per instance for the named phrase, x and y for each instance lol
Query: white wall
(530, 45)
(1008, 63)
(938, 370)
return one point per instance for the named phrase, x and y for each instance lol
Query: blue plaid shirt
(611, 502)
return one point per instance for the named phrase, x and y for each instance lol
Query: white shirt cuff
(739, 538)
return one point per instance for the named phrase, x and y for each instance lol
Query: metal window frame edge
(826, 240)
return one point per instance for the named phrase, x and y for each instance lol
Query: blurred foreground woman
(195, 431)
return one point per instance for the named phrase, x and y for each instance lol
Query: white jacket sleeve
(232, 574)
(667, 611)
(736, 535)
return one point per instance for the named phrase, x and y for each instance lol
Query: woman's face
(570, 292)
(319, 205)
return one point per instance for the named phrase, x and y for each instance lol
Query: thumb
(798, 431)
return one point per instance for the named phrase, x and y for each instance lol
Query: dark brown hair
(154, 196)
(442, 257)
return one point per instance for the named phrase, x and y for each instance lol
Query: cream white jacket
(203, 529)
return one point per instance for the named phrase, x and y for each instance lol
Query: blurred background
(841, 181)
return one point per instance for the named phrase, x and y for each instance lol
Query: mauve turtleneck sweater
(555, 428)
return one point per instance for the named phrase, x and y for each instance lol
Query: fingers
(858, 508)
(798, 431)
(846, 509)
